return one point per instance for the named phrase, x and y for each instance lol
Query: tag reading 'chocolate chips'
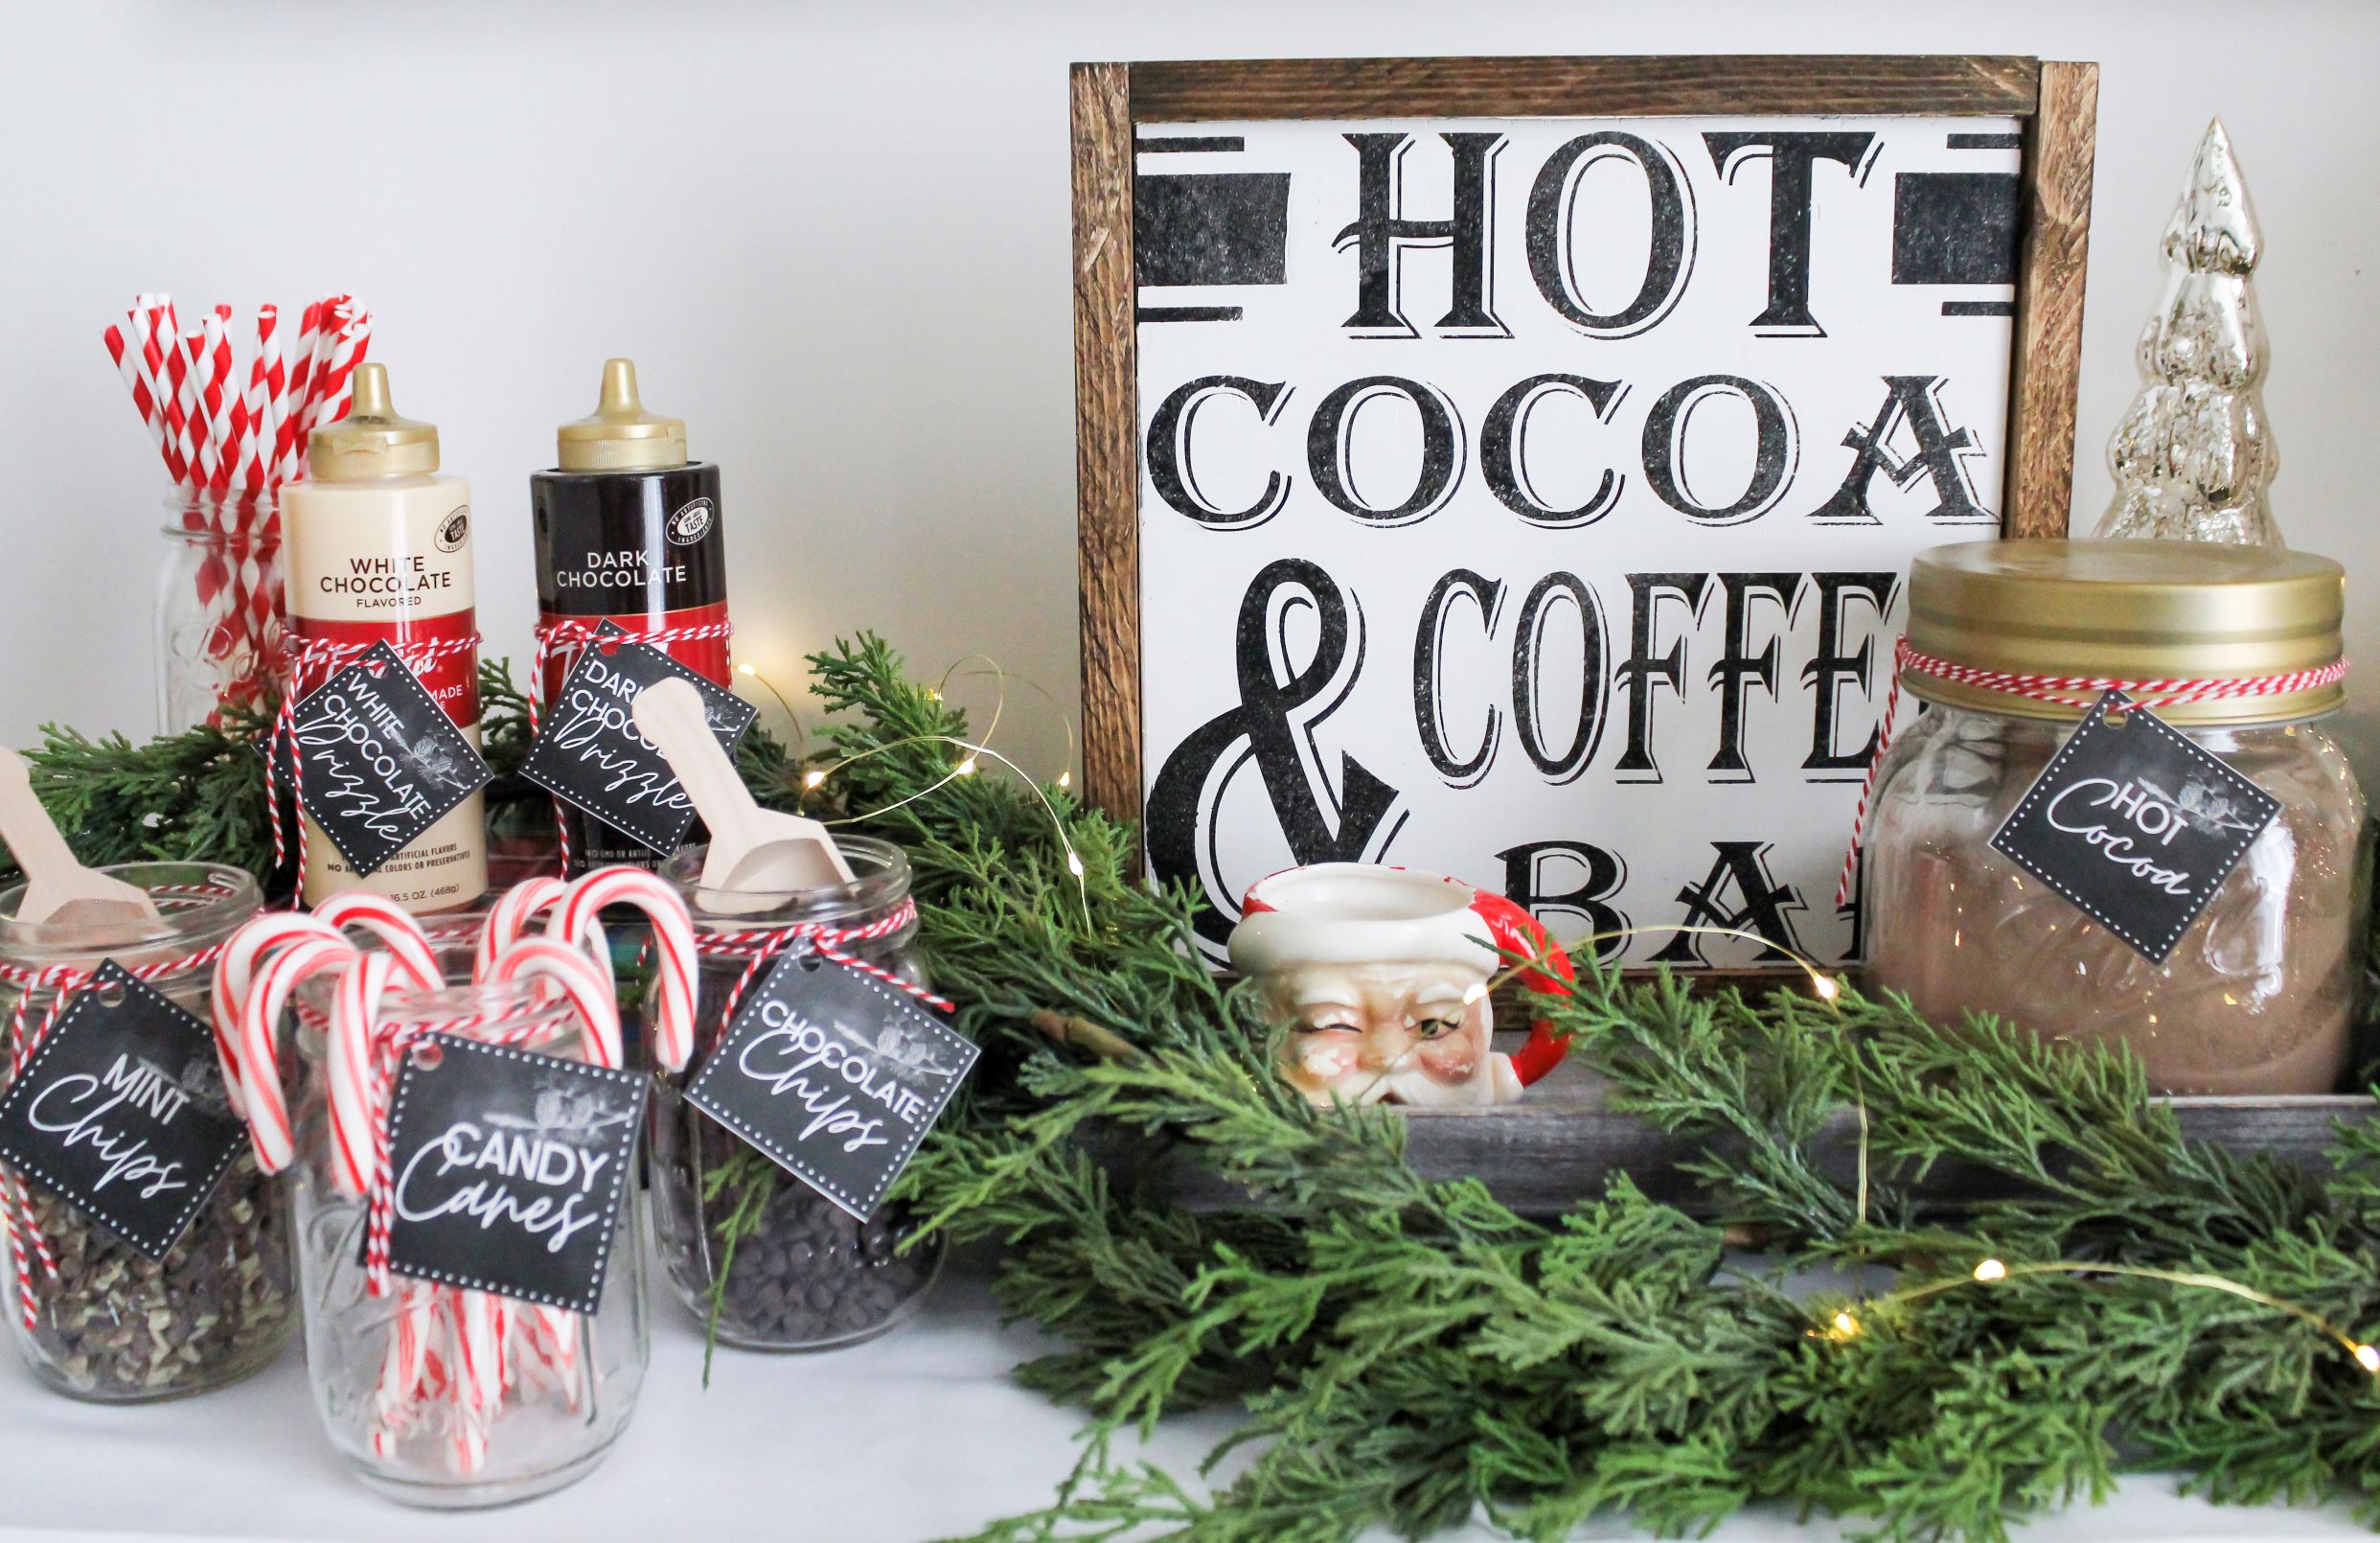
(122, 1113)
(378, 761)
(835, 1075)
(589, 754)
(2135, 824)
(510, 1170)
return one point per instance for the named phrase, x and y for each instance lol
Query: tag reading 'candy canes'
(589, 753)
(2135, 824)
(510, 1170)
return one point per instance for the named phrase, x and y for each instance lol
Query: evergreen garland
(1409, 1353)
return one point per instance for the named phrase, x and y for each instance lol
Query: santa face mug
(1383, 975)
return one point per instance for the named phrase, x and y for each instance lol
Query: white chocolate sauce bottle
(378, 548)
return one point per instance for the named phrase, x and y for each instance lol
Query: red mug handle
(1514, 930)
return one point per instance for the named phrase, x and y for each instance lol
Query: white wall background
(834, 238)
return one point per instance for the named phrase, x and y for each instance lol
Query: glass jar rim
(200, 905)
(880, 881)
(461, 996)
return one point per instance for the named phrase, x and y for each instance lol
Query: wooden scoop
(755, 852)
(58, 891)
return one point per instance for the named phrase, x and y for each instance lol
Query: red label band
(706, 655)
(451, 679)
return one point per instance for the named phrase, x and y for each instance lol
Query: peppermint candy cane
(511, 918)
(235, 976)
(394, 926)
(580, 921)
(591, 996)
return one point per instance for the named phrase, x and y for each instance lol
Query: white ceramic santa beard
(1362, 1035)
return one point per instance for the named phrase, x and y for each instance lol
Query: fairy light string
(973, 753)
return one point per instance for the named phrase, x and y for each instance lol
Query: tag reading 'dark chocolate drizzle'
(378, 761)
(2135, 824)
(589, 754)
(122, 1113)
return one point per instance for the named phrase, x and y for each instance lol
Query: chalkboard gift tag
(2135, 824)
(834, 1074)
(378, 761)
(510, 1170)
(589, 754)
(122, 1113)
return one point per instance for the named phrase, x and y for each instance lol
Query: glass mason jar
(766, 1260)
(113, 1326)
(2257, 993)
(405, 1427)
(221, 610)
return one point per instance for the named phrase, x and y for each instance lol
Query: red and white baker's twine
(20, 1230)
(311, 661)
(761, 946)
(468, 1349)
(2078, 691)
(565, 641)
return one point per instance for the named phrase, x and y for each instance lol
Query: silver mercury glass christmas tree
(2192, 456)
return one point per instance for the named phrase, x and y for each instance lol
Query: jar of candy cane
(437, 1394)
(768, 1262)
(220, 616)
(97, 1315)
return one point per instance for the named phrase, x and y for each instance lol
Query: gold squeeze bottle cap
(621, 436)
(372, 441)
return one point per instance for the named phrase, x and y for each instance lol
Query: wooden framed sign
(1510, 466)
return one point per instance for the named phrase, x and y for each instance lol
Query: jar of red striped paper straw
(219, 612)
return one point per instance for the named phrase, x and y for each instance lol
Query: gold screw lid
(2129, 610)
(372, 441)
(622, 436)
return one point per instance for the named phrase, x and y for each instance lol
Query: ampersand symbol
(1271, 718)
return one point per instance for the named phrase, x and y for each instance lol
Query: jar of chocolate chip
(765, 1261)
(145, 1302)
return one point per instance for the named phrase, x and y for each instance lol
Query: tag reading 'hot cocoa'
(835, 1075)
(122, 1113)
(378, 761)
(589, 754)
(510, 1170)
(2135, 824)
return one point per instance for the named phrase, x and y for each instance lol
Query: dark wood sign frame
(2058, 104)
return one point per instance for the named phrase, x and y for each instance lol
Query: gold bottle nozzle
(621, 436)
(372, 441)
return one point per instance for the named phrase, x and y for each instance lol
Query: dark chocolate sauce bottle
(627, 530)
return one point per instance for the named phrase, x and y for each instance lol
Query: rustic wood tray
(1558, 1146)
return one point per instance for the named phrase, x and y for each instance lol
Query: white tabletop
(918, 1435)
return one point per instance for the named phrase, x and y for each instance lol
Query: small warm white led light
(1074, 864)
(1065, 779)
(1474, 992)
(2368, 1358)
(1845, 1327)
(746, 669)
(1991, 1270)
(966, 767)
(1828, 987)
(813, 778)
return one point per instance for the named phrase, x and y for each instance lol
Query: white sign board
(1530, 500)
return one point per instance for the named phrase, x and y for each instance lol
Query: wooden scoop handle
(669, 714)
(31, 834)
